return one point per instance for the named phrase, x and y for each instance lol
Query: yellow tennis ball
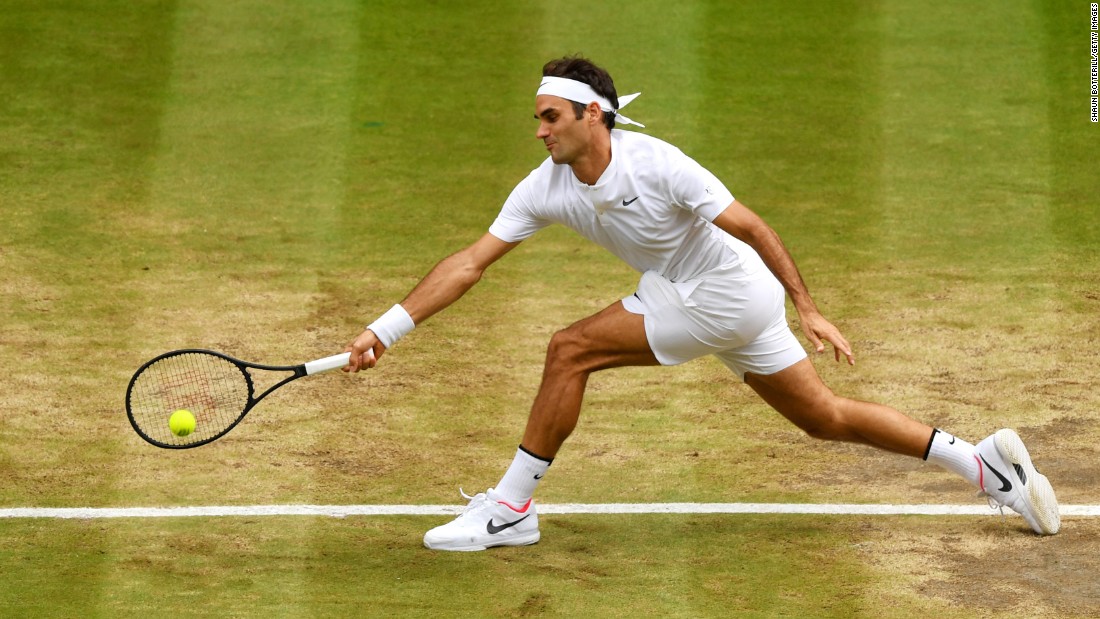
(182, 422)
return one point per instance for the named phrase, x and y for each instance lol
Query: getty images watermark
(1093, 90)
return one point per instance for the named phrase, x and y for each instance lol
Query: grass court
(264, 178)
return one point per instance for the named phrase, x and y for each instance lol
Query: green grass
(266, 178)
(341, 567)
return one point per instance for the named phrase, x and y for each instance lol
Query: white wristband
(392, 326)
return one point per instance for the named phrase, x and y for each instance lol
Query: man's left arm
(741, 222)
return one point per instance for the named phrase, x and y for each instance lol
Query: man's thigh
(612, 337)
(793, 391)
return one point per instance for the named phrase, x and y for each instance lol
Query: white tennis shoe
(1008, 478)
(486, 522)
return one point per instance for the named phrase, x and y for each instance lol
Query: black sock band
(928, 449)
(548, 461)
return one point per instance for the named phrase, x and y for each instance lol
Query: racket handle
(330, 363)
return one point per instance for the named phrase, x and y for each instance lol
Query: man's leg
(611, 338)
(505, 515)
(799, 395)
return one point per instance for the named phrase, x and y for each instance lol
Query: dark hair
(584, 70)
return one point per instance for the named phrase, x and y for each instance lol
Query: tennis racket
(216, 388)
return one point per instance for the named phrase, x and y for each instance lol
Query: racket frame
(298, 371)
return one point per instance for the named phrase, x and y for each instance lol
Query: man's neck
(589, 168)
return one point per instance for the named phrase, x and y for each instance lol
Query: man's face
(565, 136)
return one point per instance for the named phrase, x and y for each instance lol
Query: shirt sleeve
(694, 187)
(518, 218)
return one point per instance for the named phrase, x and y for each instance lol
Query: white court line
(340, 511)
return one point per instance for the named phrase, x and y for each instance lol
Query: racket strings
(215, 390)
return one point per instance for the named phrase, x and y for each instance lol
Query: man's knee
(611, 338)
(567, 347)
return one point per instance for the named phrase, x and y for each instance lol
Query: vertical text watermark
(1094, 92)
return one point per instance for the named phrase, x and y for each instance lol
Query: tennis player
(713, 280)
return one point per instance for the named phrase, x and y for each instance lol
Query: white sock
(955, 455)
(519, 482)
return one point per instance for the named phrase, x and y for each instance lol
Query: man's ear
(593, 113)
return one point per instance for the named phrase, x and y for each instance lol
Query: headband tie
(584, 94)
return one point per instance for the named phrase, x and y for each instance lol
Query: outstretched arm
(445, 284)
(746, 225)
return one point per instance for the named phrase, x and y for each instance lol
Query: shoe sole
(1038, 494)
(519, 540)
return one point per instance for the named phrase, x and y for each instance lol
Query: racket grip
(330, 363)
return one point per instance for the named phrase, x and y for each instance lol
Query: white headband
(584, 94)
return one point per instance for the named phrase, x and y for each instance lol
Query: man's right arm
(445, 284)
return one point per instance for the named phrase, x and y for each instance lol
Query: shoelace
(476, 502)
(993, 504)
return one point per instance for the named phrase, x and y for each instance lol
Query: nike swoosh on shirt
(1005, 484)
(625, 203)
(493, 529)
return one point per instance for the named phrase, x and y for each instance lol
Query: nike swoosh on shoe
(1005, 484)
(493, 529)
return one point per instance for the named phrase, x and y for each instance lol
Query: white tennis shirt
(652, 207)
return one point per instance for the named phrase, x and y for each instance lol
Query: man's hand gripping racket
(216, 388)
(364, 351)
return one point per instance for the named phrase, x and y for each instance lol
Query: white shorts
(739, 318)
